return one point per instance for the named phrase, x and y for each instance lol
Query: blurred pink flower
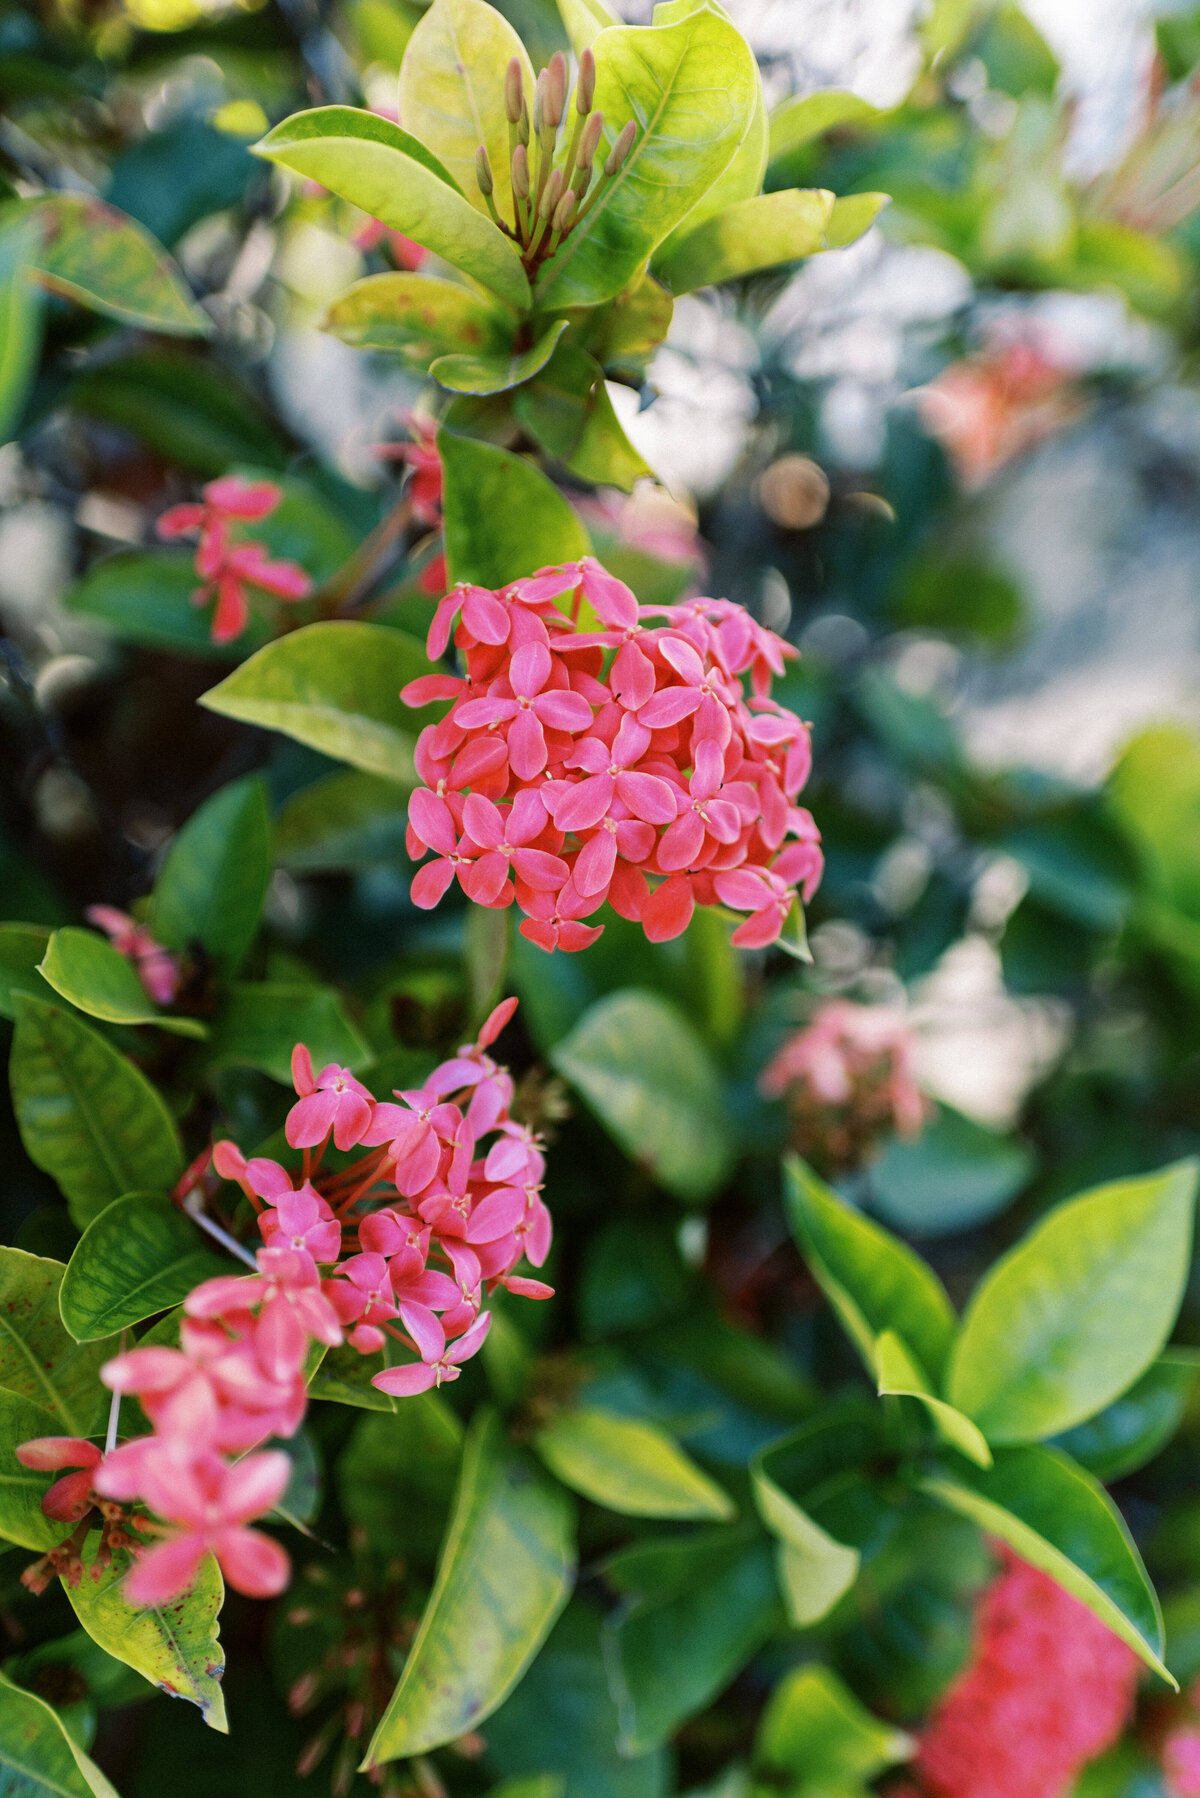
(156, 968)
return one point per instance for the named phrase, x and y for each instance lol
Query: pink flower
(302, 1220)
(335, 1101)
(1181, 1762)
(227, 568)
(68, 1499)
(214, 1502)
(439, 1363)
(156, 968)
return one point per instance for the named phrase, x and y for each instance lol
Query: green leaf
(814, 1570)
(101, 257)
(39, 1757)
(22, 947)
(584, 20)
(1139, 1424)
(1060, 1519)
(20, 318)
(873, 1282)
(396, 1475)
(851, 216)
(212, 884)
(802, 117)
(754, 234)
(815, 1731)
(506, 1572)
(344, 820)
(954, 1175)
(1070, 1318)
(649, 1078)
(374, 164)
(22, 1519)
(695, 1610)
(188, 409)
(623, 335)
(86, 1115)
(342, 1376)
(504, 519)
(139, 1257)
(900, 1376)
(39, 1361)
(146, 597)
(261, 1021)
(452, 93)
(628, 1465)
(174, 1646)
(567, 411)
(335, 686)
(474, 372)
(87, 970)
(691, 88)
(418, 317)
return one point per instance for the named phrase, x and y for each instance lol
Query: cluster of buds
(1048, 1688)
(156, 967)
(575, 767)
(229, 566)
(846, 1079)
(396, 1249)
(551, 198)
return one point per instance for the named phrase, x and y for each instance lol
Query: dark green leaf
(504, 519)
(139, 1257)
(211, 887)
(187, 408)
(39, 1757)
(261, 1022)
(39, 1361)
(22, 947)
(567, 410)
(87, 970)
(347, 820)
(99, 256)
(954, 1175)
(146, 597)
(628, 1465)
(1136, 1426)
(396, 1475)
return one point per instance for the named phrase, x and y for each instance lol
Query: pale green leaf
(93, 253)
(39, 1757)
(801, 117)
(473, 372)
(814, 1569)
(900, 1376)
(814, 1730)
(20, 317)
(754, 234)
(628, 1465)
(418, 317)
(584, 20)
(140, 1256)
(851, 216)
(211, 887)
(87, 970)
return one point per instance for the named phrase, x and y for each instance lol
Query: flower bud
(551, 193)
(589, 141)
(514, 92)
(564, 212)
(483, 172)
(556, 89)
(523, 127)
(539, 104)
(520, 172)
(585, 87)
(620, 150)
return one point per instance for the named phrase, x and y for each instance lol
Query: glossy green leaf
(374, 164)
(506, 1572)
(211, 887)
(1070, 1317)
(452, 93)
(504, 519)
(175, 1646)
(101, 257)
(146, 597)
(955, 1174)
(628, 1465)
(742, 178)
(87, 1116)
(691, 88)
(418, 317)
(647, 1075)
(801, 117)
(22, 1519)
(694, 1610)
(85, 968)
(140, 1256)
(814, 1570)
(567, 411)
(335, 686)
(814, 1730)
(261, 1021)
(900, 1376)
(344, 820)
(1138, 1425)
(474, 372)
(851, 216)
(20, 317)
(39, 1361)
(22, 947)
(1057, 1517)
(873, 1282)
(754, 234)
(39, 1757)
(584, 20)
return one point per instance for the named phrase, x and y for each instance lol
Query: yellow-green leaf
(900, 1376)
(39, 1361)
(39, 1757)
(93, 253)
(628, 1465)
(418, 317)
(755, 234)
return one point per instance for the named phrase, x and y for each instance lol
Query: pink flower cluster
(624, 764)
(228, 566)
(395, 1250)
(155, 965)
(845, 1046)
(1048, 1689)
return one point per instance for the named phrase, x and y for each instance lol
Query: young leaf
(649, 1078)
(20, 317)
(506, 1571)
(211, 887)
(452, 92)
(503, 517)
(418, 317)
(1068, 1319)
(374, 164)
(262, 1021)
(802, 117)
(175, 1646)
(139, 1257)
(101, 257)
(87, 1116)
(755, 234)
(899, 1375)
(85, 969)
(22, 1519)
(873, 1282)
(851, 216)
(584, 20)
(814, 1730)
(475, 372)
(39, 1361)
(813, 1569)
(22, 947)
(39, 1757)
(1060, 1519)
(691, 89)
(628, 1465)
(335, 686)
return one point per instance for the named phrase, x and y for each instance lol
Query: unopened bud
(520, 172)
(556, 89)
(539, 104)
(483, 171)
(589, 141)
(585, 87)
(620, 150)
(551, 193)
(564, 212)
(514, 91)
(523, 127)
